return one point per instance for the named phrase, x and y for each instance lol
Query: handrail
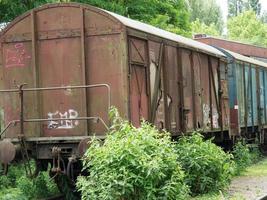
(64, 87)
(14, 122)
(21, 90)
(77, 118)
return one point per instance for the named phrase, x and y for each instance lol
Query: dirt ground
(248, 187)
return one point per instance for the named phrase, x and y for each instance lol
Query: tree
(207, 12)
(264, 17)
(254, 5)
(201, 28)
(174, 13)
(235, 7)
(9, 9)
(246, 27)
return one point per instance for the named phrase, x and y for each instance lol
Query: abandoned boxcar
(63, 65)
(247, 96)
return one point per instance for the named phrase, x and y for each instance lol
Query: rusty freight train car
(247, 96)
(63, 65)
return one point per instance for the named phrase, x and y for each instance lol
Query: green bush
(132, 163)
(40, 187)
(20, 187)
(207, 167)
(244, 156)
(255, 154)
(4, 182)
(12, 194)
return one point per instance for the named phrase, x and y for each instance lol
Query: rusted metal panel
(261, 95)
(254, 96)
(214, 85)
(139, 97)
(155, 71)
(106, 62)
(63, 45)
(240, 93)
(248, 96)
(138, 51)
(205, 93)
(224, 97)
(233, 101)
(17, 69)
(139, 91)
(187, 87)
(172, 93)
(265, 95)
(65, 63)
(198, 90)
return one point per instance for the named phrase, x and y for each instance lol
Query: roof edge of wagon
(147, 28)
(242, 58)
(127, 22)
(54, 5)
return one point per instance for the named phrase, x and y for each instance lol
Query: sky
(223, 4)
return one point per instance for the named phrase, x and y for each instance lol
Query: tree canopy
(246, 27)
(172, 15)
(236, 7)
(207, 12)
(201, 28)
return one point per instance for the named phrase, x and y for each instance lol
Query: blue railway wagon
(247, 86)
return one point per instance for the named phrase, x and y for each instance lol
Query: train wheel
(66, 187)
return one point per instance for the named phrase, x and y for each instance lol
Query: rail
(21, 91)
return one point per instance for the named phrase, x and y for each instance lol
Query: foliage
(172, 15)
(208, 13)
(201, 28)
(254, 5)
(133, 163)
(11, 9)
(264, 17)
(207, 167)
(241, 156)
(244, 156)
(176, 14)
(161, 21)
(17, 186)
(236, 7)
(12, 194)
(246, 27)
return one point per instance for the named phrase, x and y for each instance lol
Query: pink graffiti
(16, 57)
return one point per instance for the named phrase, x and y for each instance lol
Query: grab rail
(21, 91)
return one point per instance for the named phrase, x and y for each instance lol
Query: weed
(207, 167)
(133, 163)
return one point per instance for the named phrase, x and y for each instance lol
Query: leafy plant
(207, 167)
(17, 186)
(132, 163)
(244, 156)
